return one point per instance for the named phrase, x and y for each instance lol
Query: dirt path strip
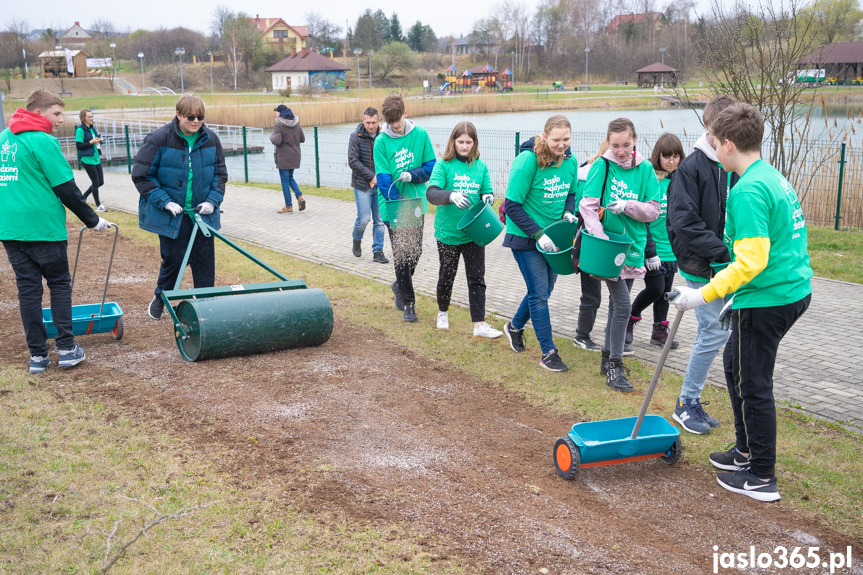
(365, 427)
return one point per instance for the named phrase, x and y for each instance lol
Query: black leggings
(97, 178)
(656, 284)
(474, 269)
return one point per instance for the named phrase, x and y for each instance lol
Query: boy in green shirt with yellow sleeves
(769, 278)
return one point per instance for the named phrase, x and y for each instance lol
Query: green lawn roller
(596, 443)
(248, 318)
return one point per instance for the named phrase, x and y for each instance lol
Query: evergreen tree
(382, 29)
(396, 34)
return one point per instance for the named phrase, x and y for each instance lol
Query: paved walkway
(816, 369)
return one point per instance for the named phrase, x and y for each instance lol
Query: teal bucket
(405, 213)
(481, 223)
(604, 258)
(561, 233)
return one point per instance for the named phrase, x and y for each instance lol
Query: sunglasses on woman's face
(192, 117)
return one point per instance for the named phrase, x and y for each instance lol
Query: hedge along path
(367, 429)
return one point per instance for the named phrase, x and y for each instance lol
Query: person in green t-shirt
(770, 279)
(541, 191)
(458, 182)
(87, 141)
(404, 160)
(620, 195)
(660, 261)
(36, 182)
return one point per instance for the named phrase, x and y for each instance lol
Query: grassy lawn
(836, 255)
(65, 464)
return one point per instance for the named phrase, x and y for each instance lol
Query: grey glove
(205, 208)
(488, 198)
(404, 177)
(460, 200)
(616, 207)
(174, 208)
(103, 223)
(569, 217)
(547, 244)
(725, 315)
(653, 263)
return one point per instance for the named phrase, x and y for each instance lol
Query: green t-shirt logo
(7, 154)
(797, 211)
(555, 188)
(404, 157)
(8, 150)
(620, 190)
(463, 183)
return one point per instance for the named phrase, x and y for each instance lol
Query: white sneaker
(485, 330)
(101, 208)
(442, 320)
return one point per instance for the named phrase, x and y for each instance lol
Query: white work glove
(616, 207)
(725, 315)
(174, 208)
(103, 223)
(653, 263)
(459, 199)
(488, 198)
(404, 177)
(205, 208)
(546, 244)
(570, 218)
(689, 298)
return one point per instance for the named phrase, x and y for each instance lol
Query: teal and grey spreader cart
(248, 318)
(596, 443)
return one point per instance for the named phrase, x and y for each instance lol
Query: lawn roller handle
(672, 295)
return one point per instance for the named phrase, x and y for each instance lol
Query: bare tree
(103, 28)
(232, 46)
(752, 51)
(325, 32)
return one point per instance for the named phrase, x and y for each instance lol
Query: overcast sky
(444, 16)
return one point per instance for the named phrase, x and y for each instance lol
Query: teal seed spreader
(248, 318)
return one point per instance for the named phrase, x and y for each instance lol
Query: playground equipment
(597, 443)
(248, 318)
(87, 319)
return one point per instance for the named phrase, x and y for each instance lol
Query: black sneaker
(515, 337)
(690, 416)
(730, 460)
(400, 304)
(603, 363)
(156, 307)
(616, 378)
(410, 314)
(552, 362)
(380, 258)
(357, 249)
(711, 421)
(745, 483)
(71, 357)
(585, 343)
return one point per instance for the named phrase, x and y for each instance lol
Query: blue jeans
(288, 184)
(539, 278)
(368, 208)
(708, 341)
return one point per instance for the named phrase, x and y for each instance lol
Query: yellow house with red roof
(279, 34)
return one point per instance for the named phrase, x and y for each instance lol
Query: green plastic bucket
(604, 258)
(405, 213)
(481, 223)
(561, 233)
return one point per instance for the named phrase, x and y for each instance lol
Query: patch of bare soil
(368, 430)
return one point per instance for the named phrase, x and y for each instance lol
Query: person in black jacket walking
(87, 141)
(364, 181)
(696, 228)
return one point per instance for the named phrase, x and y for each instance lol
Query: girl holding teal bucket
(541, 191)
(459, 181)
(621, 195)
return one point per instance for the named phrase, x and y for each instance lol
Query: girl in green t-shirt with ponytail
(458, 182)
(621, 200)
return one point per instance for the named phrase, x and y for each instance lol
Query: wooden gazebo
(657, 74)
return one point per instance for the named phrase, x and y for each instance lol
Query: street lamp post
(179, 51)
(141, 57)
(586, 63)
(357, 53)
(113, 64)
(210, 54)
(662, 77)
(371, 53)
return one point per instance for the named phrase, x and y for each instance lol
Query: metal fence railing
(828, 179)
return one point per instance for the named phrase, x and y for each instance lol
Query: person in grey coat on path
(287, 137)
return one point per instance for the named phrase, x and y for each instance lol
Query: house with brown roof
(279, 34)
(307, 68)
(622, 20)
(75, 35)
(843, 61)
